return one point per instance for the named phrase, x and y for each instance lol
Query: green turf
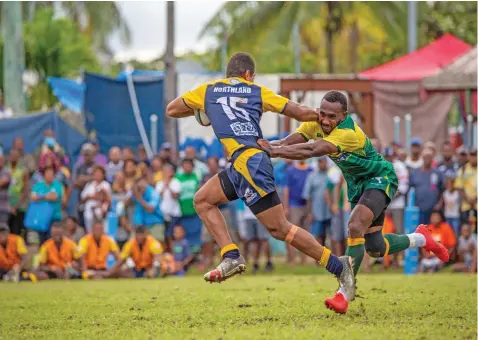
(391, 306)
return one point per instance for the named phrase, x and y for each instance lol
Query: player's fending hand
(265, 145)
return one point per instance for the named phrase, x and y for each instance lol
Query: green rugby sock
(396, 243)
(356, 250)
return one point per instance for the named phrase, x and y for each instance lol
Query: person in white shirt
(451, 201)
(415, 161)
(168, 189)
(97, 197)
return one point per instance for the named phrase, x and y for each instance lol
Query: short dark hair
(73, 218)
(187, 160)
(336, 97)
(141, 229)
(101, 168)
(45, 169)
(239, 64)
(57, 224)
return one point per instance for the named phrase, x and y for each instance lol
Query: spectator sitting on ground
(415, 161)
(181, 251)
(51, 190)
(26, 160)
(96, 196)
(115, 163)
(143, 155)
(451, 203)
(93, 251)
(466, 182)
(73, 231)
(441, 232)
(147, 212)
(5, 179)
(448, 166)
(200, 168)
(428, 185)
(169, 189)
(13, 254)
(157, 170)
(17, 192)
(145, 252)
(466, 249)
(57, 256)
(122, 207)
(128, 153)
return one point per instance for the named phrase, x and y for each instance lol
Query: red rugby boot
(431, 245)
(338, 303)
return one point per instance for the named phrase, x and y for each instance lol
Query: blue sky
(147, 21)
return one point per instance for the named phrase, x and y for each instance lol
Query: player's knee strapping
(290, 235)
(376, 245)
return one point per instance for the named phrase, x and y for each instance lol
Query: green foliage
(391, 306)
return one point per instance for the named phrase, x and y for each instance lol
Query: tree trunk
(170, 124)
(353, 43)
(329, 36)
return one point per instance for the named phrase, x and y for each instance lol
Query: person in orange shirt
(13, 254)
(441, 232)
(146, 254)
(57, 256)
(93, 251)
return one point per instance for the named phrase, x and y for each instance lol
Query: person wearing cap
(98, 157)
(415, 161)
(466, 183)
(13, 254)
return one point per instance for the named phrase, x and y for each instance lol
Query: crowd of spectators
(124, 215)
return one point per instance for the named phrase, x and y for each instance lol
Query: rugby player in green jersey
(371, 183)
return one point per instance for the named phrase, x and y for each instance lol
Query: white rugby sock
(342, 291)
(417, 240)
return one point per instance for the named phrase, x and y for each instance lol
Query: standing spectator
(73, 231)
(433, 148)
(142, 155)
(169, 189)
(336, 198)
(26, 160)
(128, 153)
(397, 205)
(147, 210)
(96, 196)
(83, 174)
(157, 169)
(13, 256)
(130, 173)
(466, 183)
(462, 158)
(451, 203)
(415, 161)
(295, 207)
(280, 167)
(98, 157)
(448, 166)
(166, 154)
(428, 186)
(200, 168)
(50, 144)
(314, 192)
(17, 192)
(402, 155)
(115, 163)
(49, 189)
(120, 205)
(190, 220)
(466, 249)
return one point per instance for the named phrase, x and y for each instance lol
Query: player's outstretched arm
(299, 151)
(300, 112)
(293, 138)
(178, 109)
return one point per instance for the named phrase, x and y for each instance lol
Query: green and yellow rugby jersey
(362, 166)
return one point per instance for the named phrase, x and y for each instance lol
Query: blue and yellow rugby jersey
(362, 166)
(235, 106)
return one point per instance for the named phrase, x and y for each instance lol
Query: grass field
(390, 306)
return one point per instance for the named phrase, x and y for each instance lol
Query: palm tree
(98, 19)
(319, 21)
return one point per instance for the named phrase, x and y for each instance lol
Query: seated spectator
(157, 169)
(466, 250)
(96, 196)
(17, 192)
(51, 190)
(169, 189)
(145, 251)
(255, 235)
(5, 179)
(451, 203)
(93, 251)
(13, 254)
(147, 212)
(441, 232)
(115, 163)
(189, 219)
(122, 208)
(181, 251)
(57, 256)
(73, 230)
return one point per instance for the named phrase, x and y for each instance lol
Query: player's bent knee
(355, 228)
(200, 202)
(375, 244)
(279, 231)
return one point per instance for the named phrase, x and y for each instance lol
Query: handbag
(39, 216)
